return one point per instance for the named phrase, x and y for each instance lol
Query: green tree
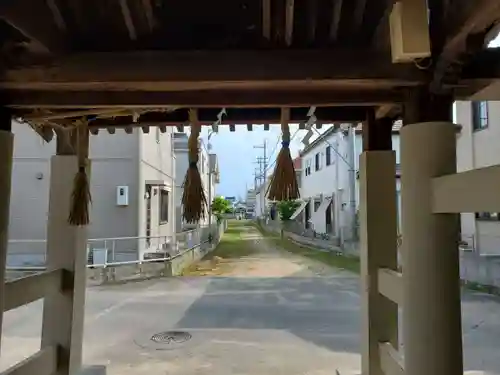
(287, 208)
(220, 206)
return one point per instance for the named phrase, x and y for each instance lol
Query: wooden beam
(249, 127)
(266, 127)
(35, 20)
(203, 70)
(470, 19)
(312, 20)
(289, 12)
(232, 128)
(334, 25)
(202, 98)
(180, 128)
(162, 128)
(359, 12)
(148, 12)
(266, 19)
(145, 129)
(127, 18)
(470, 191)
(93, 130)
(129, 129)
(111, 129)
(56, 14)
(236, 116)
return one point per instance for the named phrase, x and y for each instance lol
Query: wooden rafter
(127, 18)
(289, 13)
(266, 19)
(56, 14)
(34, 20)
(148, 12)
(359, 13)
(335, 21)
(312, 19)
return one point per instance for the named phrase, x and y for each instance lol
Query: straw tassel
(194, 200)
(80, 197)
(284, 181)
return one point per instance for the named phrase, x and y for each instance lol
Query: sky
(237, 155)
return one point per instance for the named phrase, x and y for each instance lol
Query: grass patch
(349, 263)
(478, 287)
(231, 246)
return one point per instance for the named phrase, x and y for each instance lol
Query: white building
(330, 181)
(209, 172)
(250, 200)
(477, 147)
(131, 181)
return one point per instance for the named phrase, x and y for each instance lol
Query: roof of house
(358, 129)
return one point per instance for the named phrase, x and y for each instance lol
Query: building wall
(156, 163)
(114, 162)
(333, 180)
(477, 149)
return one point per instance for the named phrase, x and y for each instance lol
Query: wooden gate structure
(141, 63)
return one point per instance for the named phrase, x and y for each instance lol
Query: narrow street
(257, 310)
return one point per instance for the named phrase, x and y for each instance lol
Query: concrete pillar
(378, 226)
(63, 312)
(6, 152)
(431, 311)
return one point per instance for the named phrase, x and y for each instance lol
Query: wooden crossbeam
(468, 19)
(215, 70)
(200, 98)
(235, 116)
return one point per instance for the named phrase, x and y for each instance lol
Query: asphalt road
(301, 323)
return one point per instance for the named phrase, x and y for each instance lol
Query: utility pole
(263, 162)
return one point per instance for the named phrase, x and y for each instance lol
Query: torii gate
(129, 64)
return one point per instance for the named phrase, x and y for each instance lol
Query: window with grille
(479, 115)
(163, 206)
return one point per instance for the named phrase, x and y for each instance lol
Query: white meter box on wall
(122, 195)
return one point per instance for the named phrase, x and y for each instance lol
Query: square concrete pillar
(63, 312)
(6, 152)
(378, 230)
(431, 310)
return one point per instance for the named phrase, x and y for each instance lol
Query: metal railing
(119, 251)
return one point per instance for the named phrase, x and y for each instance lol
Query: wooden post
(378, 227)
(431, 314)
(63, 312)
(6, 153)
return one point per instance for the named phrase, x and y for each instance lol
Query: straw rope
(194, 200)
(80, 197)
(283, 184)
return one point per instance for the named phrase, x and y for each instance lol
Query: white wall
(156, 163)
(477, 149)
(333, 180)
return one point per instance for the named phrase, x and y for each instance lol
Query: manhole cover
(171, 337)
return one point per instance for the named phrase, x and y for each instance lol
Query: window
(479, 115)
(317, 162)
(328, 155)
(163, 206)
(308, 167)
(488, 216)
